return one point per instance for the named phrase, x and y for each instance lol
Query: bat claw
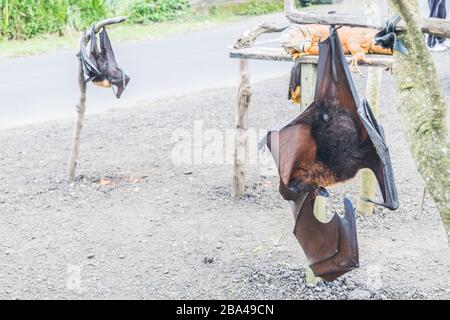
(321, 191)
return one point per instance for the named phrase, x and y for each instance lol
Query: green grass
(193, 20)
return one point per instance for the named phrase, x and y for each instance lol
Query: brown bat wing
(114, 74)
(91, 69)
(379, 160)
(292, 146)
(99, 65)
(346, 257)
(331, 248)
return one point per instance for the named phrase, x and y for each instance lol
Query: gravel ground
(136, 225)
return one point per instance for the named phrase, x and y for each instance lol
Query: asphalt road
(45, 87)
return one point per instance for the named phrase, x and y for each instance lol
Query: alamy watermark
(213, 146)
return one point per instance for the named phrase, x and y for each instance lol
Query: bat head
(337, 137)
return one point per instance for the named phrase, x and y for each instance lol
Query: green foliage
(83, 13)
(143, 11)
(25, 19)
(249, 8)
(22, 19)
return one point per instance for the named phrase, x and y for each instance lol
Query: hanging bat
(100, 66)
(295, 88)
(335, 137)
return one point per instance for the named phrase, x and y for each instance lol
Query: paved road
(44, 87)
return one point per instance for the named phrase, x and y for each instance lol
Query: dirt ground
(137, 225)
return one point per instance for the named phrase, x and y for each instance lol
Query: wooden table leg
(308, 89)
(241, 125)
(367, 186)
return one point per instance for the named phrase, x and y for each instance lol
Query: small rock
(188, 172)
(91, 256)
(208, 260)
(359, 294)
(122, 257)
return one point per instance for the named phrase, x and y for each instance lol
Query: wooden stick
(81, 106)
(81, 110)
(367, 186)
(243, 102)
(422, 204)
(367, 179)
(278, 54)
(308, 84)
(241, 125)
(438, 27)
(248, 38)
(101, 24)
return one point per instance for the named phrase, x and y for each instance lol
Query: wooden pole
(81, 110)
(368, 182)
(308, 84)
(367, 188)
(308, 89)
(248, 38)
(81, 106)
(241, 127)
(279, 54)
(438, 27)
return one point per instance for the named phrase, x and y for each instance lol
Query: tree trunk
(423, 109)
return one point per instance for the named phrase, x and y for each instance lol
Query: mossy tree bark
(422, 106)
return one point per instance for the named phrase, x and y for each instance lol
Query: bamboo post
(241, 127)
(81, 106)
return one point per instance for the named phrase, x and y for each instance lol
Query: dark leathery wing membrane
(100, 65)
(335, 137)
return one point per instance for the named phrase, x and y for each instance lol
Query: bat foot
(321, 191)
(300, 187)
